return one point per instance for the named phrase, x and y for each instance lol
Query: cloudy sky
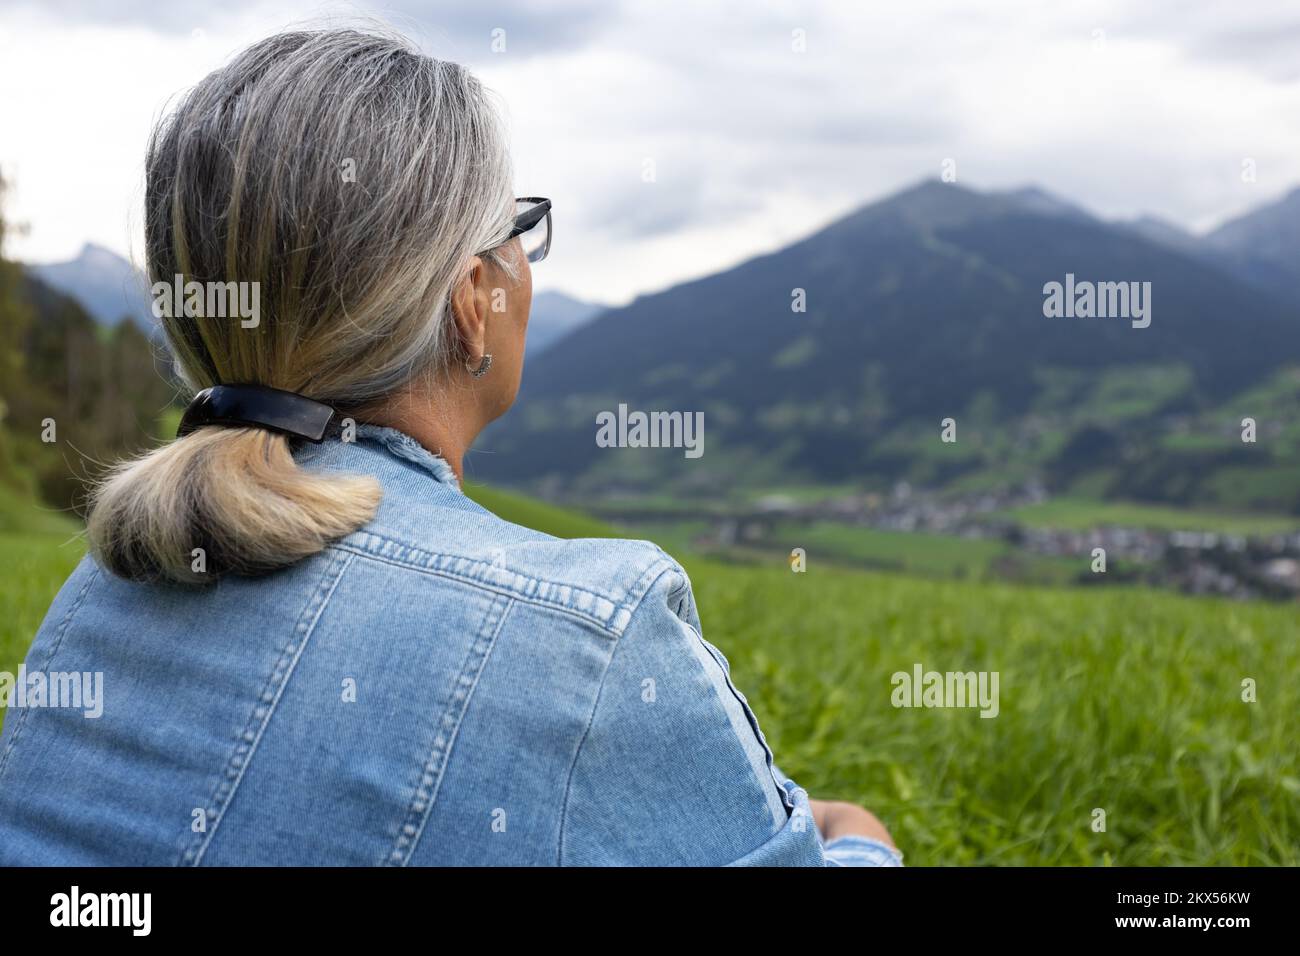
(754, 137)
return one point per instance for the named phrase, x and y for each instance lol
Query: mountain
(106, 285)
(925, 306)
(1264, 245)
(110, 289)
(1261, 247)
(554, 315)
(1166, 233)
(1036, 200)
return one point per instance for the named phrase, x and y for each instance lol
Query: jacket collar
(405, 447)
(377, 447)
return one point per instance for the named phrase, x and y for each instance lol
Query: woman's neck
(445, 422)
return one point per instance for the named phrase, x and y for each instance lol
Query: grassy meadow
(1123, 700)
(1078, 515)
(39, 547)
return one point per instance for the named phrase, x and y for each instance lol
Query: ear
(470, 302)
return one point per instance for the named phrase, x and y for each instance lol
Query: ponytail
(219, 501)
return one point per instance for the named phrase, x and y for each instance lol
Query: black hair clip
(259, 406)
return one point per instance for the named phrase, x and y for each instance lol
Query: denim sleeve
(672, 769)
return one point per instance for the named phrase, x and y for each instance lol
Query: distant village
(1193, 562)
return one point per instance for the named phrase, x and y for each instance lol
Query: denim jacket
(440, 687)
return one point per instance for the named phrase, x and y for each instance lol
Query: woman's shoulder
(426, 524)
(604, 580)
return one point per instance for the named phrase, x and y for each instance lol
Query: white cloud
(753, 144)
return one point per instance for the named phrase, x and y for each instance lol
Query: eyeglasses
(533, 227)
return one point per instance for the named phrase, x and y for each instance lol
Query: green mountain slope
(923, 307)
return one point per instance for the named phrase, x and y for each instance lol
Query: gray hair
(352, 178)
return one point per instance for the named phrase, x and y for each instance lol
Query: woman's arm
(836, 818)
(671, 769)
(853, 836)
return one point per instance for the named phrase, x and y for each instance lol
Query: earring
(483, 366)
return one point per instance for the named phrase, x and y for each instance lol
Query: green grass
(1124, 700)
(675, 537)
(916, 553)
(561, 522)
(19, 515)
(39, 547)
(926, 555)
(35, 566)
(1121, 699)
(1081, 514)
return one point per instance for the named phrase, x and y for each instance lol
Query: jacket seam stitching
(652, 574)
(586, 731)
(509, 592)
(750, 717)
(443, 757)
(591, 718)
(49, 658)
(233, 775)
(478, 562)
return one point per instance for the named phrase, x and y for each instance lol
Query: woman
(315, 649)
